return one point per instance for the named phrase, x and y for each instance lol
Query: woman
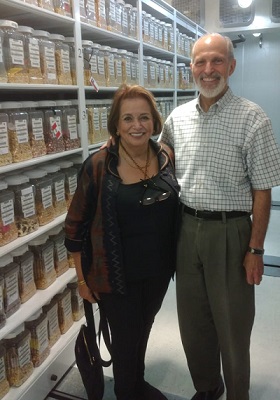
(129, 195)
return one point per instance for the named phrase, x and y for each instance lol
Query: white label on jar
(2, 369)
(59, 189)
(48, 259)
(65, 58)
(96, 120)
(16, 51)
(28, 202)
(119, 68)
(125, 21)
(91, 6)
(50, 58)
(93, 64)
(46, 194)
(60, 250)
(7, 212)
(72, 181)
(111, 65)
(146, 28)
(66, 306)
(27, 275)
(82, 3)
(102, 9)
(145, 71)
(55, 123)
(37, 128)
(21, 130)
(72, 126)
(112, 10)
(42, 336)
(1, 50)
(53, 320)
(4, 141)
(12, 292)
(24, 354)
(100, 62)
(34, 53)
(1, 300)
(103, 118)
(128, 68)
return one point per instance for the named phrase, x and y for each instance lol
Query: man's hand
(86, 294)
(254, 267)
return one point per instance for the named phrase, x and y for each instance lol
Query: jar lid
(10, 104)
(54, 36)
(34, 316)
(20, 250)
(63, 102)
(8, 24)
(46, 103)
(181, 65)
(69, 39)
(16, 179)
(128, 6)
(3, 185)
(40, 33)
(50, 168)
(96, 45)
(38, 241)
(87, 43)
(65, 163)
(35, 173)
(122, 51)
(105, 48)
(29, 104)
(19, 329)
(5, 260)
(113, 50)
(25, 29)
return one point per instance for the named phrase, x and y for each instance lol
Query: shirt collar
(219, 105)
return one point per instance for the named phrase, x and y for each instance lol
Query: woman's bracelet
(81, 282)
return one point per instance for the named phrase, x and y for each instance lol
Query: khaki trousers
(216, 306)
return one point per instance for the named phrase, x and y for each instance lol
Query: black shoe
(149, 392)
(211, 394)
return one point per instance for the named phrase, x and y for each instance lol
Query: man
(227, 160)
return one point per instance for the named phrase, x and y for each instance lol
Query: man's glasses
(148, 200)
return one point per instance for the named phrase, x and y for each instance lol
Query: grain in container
(4, 384)
(3, 73)
(24, 203)
(91, 12)
(61, 263)
(69, 124)
(58, 187)
(65, 318)
(35, 128)
(47, 57)
(5, 151)
(77, 303)
(63, 7)
(71, 43)
(70, 179)
(51, 310)
(8, 227)
(62, 59)
(52, 126)
(100, 8)
(9, 271)
(37, 325)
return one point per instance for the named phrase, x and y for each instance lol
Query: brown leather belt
(214, 215)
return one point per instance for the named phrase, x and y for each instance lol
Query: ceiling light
(257, 34)
(244, 3)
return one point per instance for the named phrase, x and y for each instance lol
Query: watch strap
(253, 250)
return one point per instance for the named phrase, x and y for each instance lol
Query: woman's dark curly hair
(132, 92)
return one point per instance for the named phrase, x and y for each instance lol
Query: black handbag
(87, 352)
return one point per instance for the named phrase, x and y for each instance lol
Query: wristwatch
(258, 252)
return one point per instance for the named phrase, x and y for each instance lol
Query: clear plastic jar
(118, 67)
(164, 35)
(123, 54)
(87, 53)
(156, 32)
(65, 318)
(70, 179)
(9, 271)
(76, 301)
(31, 55)
(95, 64)
(4, 384)
(8, 228)
(152, 30)
(44, 270)
(63, 7)
(69, 124)
(111, 15)
(52, 127)
(126, 20)
(35, 128)
(91, 12)
(99, 50)
(47, 56)
(134, 69)
(111, 68)
(2, 308)
(134, 23)
(18, 131)
(61, 263)
(43, 195)
(13, 45)
(83, 13)
(182, 77)
(151, 72)
(160, 34)
(101, 13)
(37, 325)
(119, 16)
(128, 59)
(170, 37)
(108, 65)
(25, 260)
(94, 130)
(71, 43)
(25, 210)
(146, 26)
(46, 5)
(58, 188)
(18, 356)
(103, 111)
(5, 151)
(51, 310)
(62, 59)
(3, 73)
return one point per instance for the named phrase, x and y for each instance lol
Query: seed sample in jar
(46, 4)
(77, 302)
(5, 151)
(47, 57)
(91, 12)
(51, 310)
(25, 208)
(31, 55)
(65, 318)
(18, 356)
(62, 60)
(71, 43)
(9, 271)
(17, 131)
(2, 308)
(25, 260)
(4, 384)
(52, 127)
(69, 124)
(61, 263)
(13, 45)
(58, 188)
(87, 53)
(63, 7)
(3, 73)
(43, 195)
(71, 175)
(100, 8)
(8, 227)
(37, 325)
(44, 271)
(35, 128)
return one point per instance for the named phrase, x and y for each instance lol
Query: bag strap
(103, 330)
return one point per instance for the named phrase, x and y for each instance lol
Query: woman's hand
(87, 294)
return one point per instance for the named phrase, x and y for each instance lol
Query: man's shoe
(211, 394)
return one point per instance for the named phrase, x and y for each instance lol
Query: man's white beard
(214, 92)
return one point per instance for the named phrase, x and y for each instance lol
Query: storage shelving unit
(62, 355)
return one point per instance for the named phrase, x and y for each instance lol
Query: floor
(166, 366)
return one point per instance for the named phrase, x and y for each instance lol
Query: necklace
(143, 169)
